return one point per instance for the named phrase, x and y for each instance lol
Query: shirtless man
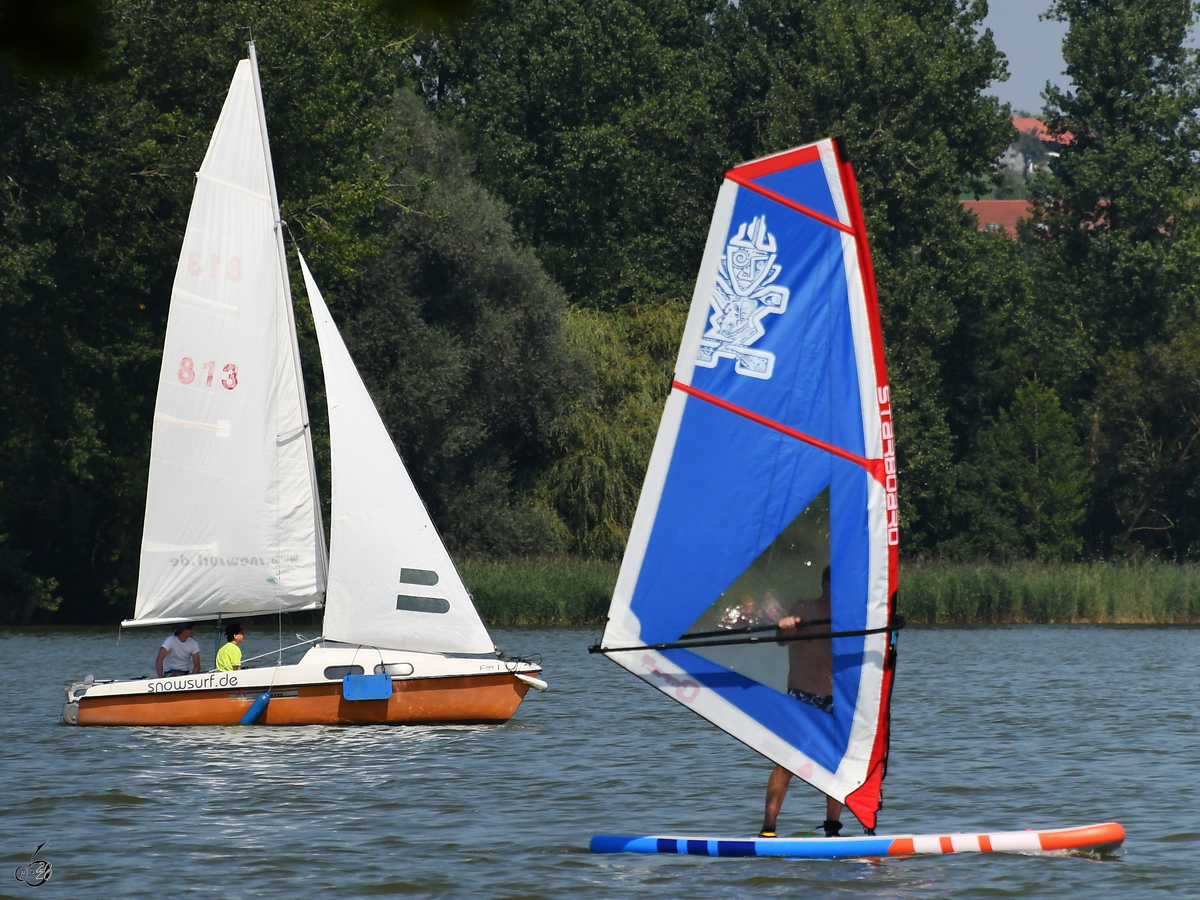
(810, 680)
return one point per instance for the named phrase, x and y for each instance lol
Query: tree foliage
(510, 250)
(1117, 224)
(1115, 241)
(97, 179)
(1146, 444)
(459, 333)
(1034, 479)
(607, 127)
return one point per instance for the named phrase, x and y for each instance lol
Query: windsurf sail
(775, 459)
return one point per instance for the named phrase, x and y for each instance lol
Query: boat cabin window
(395, 669)
(340, 672)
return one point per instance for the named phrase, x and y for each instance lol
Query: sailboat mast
(281, 256)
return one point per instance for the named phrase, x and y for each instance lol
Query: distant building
(1030, 153)
(998, 215)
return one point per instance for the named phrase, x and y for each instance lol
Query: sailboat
(771, 492)
(233, 519)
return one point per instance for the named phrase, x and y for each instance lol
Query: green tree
(1033, 478)
(606, 433)
(459, 334)
(97, 176)
(1146, 445)
(607, 126)
(1116, 227)
(903, 83)
(595, 122)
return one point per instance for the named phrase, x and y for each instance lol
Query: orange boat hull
(459, 700)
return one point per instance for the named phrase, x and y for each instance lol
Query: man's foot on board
(869, 831)
(765, 833)
(832, 827)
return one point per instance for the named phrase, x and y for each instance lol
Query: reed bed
(1147, 592)
(571, 591)
(540, 592)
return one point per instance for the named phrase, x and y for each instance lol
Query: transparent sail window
(785, 574)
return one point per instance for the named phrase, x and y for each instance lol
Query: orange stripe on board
(947, 844)
(902, 847)
(1108, 834)
(985, 842)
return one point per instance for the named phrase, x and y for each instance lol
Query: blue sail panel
(775, 464)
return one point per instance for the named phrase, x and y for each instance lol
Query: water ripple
(994, 729)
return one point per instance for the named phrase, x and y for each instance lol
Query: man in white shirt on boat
(179, 653)
(810, 680)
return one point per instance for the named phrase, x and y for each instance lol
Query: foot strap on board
(832, 827)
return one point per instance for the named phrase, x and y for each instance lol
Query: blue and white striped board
(812, 848)
(1102, 838)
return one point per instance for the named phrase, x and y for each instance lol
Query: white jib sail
(391, 582)
(232, 520)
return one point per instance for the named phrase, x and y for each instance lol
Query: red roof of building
(998, 215)
(1027, 124)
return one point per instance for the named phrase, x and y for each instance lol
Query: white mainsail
(391, 582)
(233, 525)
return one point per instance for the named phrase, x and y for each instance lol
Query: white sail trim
(232, 520)
(870, 687)
(391, 582)
(623, 627)
(656, 670)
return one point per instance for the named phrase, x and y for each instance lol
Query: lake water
(993, 729)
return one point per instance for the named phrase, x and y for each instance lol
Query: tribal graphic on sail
(742, 295)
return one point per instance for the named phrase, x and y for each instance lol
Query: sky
(1033, 48)
(1034, 51)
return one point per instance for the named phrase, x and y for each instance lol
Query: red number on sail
(230, 382)
(187, 370)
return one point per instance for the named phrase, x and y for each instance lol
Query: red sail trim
(859, 230)
(736, 176)
(874, 467)
(769, 165)
(865, 801)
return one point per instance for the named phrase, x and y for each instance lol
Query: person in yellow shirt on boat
(810, 680)
(229, 657)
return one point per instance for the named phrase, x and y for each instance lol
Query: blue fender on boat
(256, 709)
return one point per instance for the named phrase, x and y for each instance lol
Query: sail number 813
(187, 373)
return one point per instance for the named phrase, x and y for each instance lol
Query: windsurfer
(810, 680)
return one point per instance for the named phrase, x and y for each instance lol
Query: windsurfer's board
(1088, 838)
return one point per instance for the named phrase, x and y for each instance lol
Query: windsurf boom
(775, 458)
